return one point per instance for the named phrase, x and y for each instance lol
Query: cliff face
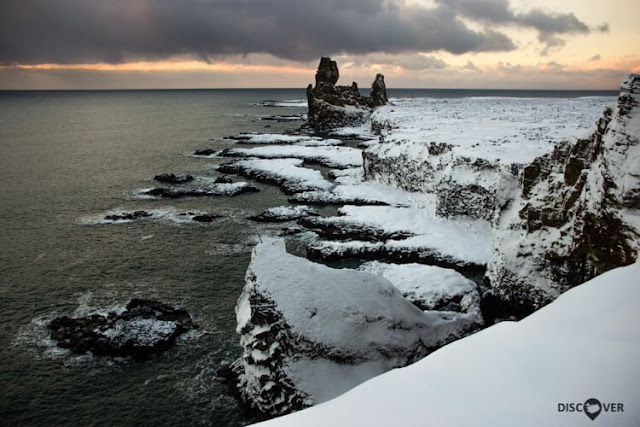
(464, 185)
(332, 106)
(576, 216)
(310, 332)
(562, 212)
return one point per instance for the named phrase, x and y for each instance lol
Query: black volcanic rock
(224, 179)
(208, 191)
(205, 152)
(379, 91)
(205, 217)
(145, 328)
(332, 106)
(284, 213)
(128, 216)
(171, 178)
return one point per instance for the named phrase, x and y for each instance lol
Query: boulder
(144, 329)
(128, 216)
(224, 179)
(205, 152)
(230, 190)
(285, 213)
(171, 178)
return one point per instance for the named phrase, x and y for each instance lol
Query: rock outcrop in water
(171, 178)
(332, 106)
(145, 328)
(577, 216)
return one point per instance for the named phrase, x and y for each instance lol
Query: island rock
(332, 106)
(145, 328)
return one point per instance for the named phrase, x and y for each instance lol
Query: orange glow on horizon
(172, 66)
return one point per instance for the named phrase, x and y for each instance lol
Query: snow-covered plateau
(539, 195)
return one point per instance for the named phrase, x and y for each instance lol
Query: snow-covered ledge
(310, 332)
(585, 345)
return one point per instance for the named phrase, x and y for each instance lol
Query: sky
(148, 44)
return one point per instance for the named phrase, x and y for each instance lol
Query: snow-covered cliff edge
(563, 208)
(576, 215)
(310, 332)
(583, 345)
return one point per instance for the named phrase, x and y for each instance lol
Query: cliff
(576, 215)
(309, 332)
(332, 106)
(512, 191)
(583, 345)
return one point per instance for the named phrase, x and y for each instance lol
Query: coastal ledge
(310, 332)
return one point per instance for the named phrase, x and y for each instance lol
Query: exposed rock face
(332, 106)
(224, 189)
(285, 213)
(171, 178)
(577, 216)
(128, 216)
(144, 329)
(304, 345)
(464, 186)
(379, 91)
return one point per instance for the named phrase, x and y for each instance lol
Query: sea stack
(332, 106)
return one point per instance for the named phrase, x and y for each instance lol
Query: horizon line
(297, 88)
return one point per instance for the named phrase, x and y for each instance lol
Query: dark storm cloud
(550, 26)
(74, 31)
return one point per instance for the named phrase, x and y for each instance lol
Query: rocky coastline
(536, 221)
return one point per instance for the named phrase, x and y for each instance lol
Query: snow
(350, 189)
(343, 296)
(289, 173)
(466, 240)
(361, 132)
(321, 143)
(430, 285)
(334, 157)
(510, 130)
(272, 138)
(585, 344)
(343, 326)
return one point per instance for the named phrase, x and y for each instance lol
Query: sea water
(69, 158)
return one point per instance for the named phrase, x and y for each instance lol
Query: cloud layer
(86, 31)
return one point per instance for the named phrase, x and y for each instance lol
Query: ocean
(68, 158)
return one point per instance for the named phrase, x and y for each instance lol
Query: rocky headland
(537, 209)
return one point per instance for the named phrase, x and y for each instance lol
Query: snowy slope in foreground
(586, 344)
